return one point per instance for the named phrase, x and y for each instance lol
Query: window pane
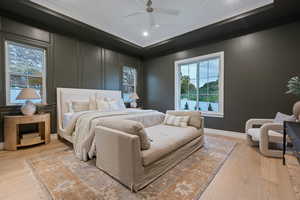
(213, 69)
(213, 86)
(129, 82)
(184, 70)
(203, 103)
(26, 66)
(193, 71)
(25, 59)
(203, 69)
(185, 81)
(203, 86)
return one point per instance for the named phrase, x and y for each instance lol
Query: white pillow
(93, 104)
(280, 118)
(102, 105)
(113, 105)
(70, 109)
(181, 121)
(78, 106)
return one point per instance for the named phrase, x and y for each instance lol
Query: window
(199, 84)
(129, 82)
(25, 67)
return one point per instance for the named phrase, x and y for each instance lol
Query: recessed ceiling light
(145, 33)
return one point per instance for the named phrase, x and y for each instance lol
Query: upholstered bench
(125, 153)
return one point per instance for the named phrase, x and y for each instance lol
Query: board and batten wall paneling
(71, 63)
(257, 68)
(66, 72)
(112, 70)
(90, 69)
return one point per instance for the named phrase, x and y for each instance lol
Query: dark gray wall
(257, 68)
(70, 63)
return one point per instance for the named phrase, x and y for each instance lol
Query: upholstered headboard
(65, 95)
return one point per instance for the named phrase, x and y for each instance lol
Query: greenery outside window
(199, 84)
(25, 67)
(129, 82)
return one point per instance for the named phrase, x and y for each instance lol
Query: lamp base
(133, 104)
(28, 108)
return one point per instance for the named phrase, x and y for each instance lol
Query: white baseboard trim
(1, 146)
(238, 135)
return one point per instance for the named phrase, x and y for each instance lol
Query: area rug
(64, 177)
(293, 167)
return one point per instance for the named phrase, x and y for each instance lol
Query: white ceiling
(108, 15)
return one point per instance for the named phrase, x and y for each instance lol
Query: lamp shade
(134, 96)
(28, 93)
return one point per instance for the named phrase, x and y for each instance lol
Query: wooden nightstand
(14, 139)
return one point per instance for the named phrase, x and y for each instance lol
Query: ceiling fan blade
(167, 11)
(136, 13)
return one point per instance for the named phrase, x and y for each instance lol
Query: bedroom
(229, 61)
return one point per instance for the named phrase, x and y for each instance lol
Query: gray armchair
(269, 132)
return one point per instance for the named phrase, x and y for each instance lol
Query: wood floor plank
(246, 175)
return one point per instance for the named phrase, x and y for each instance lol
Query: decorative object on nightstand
(294, 88)
(13, 138)
(134, 97)
(28, 94)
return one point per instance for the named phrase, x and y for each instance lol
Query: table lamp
(28, 94)
(134, 97)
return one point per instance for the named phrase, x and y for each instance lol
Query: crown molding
(278, 13)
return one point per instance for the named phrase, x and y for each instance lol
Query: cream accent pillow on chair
(172, 120)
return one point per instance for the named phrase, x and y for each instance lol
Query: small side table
(13, 137)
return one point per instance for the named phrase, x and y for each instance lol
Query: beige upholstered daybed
(120, 149)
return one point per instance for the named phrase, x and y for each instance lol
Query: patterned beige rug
(65, 177)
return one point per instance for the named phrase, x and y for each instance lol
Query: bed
(78, 128)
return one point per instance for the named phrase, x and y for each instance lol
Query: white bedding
(68, 116)
(85, 122)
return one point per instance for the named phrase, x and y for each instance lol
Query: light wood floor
(245, 175)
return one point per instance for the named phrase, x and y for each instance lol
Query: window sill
(212, 114)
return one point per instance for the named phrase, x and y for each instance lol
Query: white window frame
(178, 63)
(7, 70)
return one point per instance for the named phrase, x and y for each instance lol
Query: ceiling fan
(152, 10)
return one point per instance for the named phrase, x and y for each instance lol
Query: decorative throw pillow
(122, 104)
(102, 105)
(70, 109)
(78, 106)
(114, 105)
(181, 121)
(93, 104)
(130, 127)
(280, 118)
